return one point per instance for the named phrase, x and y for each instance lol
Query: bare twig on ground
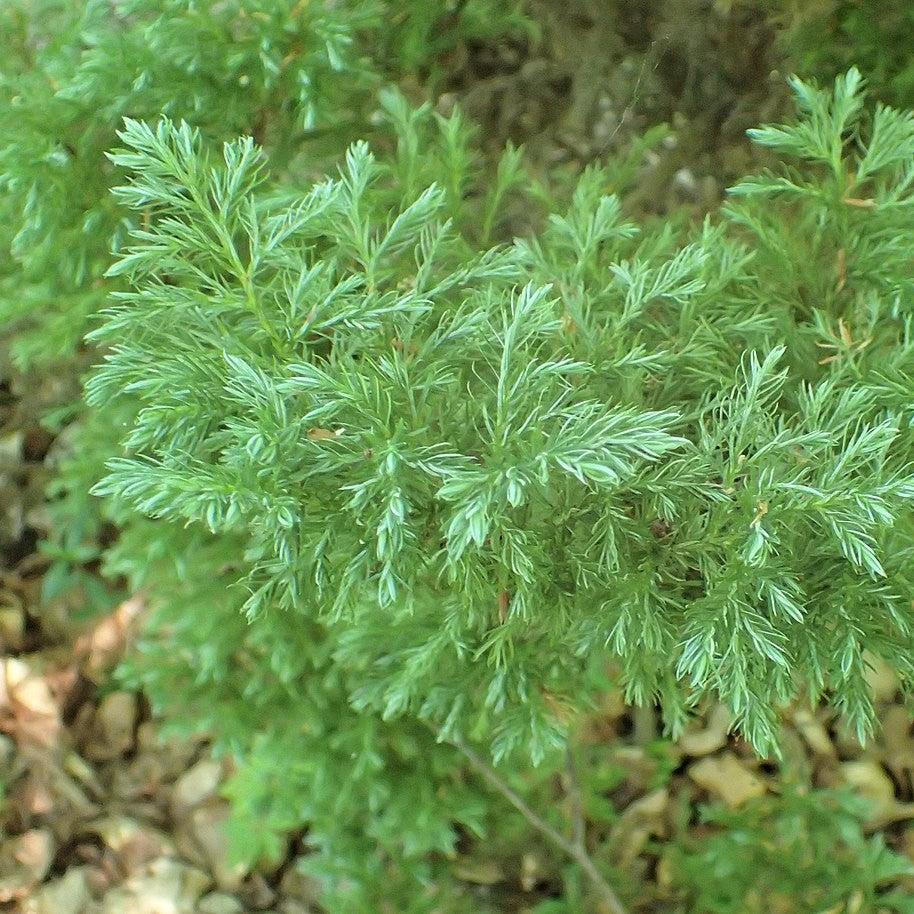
(574, 849)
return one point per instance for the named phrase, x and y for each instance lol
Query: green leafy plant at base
(72, 71)
(801, 852)
(432, 488)
(823, 37)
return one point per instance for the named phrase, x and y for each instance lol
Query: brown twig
(576, 850)
(651, 57)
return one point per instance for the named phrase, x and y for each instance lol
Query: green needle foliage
(395, 488)
(301, 77)
(426, 490)
(478, 472)
(291, 73)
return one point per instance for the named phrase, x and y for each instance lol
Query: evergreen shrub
(408, 497)
(453, 491)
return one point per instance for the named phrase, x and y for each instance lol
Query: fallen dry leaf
(12, 623)
(28, 711)
(727, 778)
(870, 780)
(899, 744)
(100, 649)
(324, 434)
(813, 732)
(642, 820)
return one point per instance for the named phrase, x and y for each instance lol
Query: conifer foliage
(300, 77)
(480, 470)
(458, 483)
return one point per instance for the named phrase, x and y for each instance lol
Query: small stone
(134, 843)
(34, 850)
(220, 903)
(684, 181)
(113, 727)
(67, 895)
(196, 785)
(713, 737)
(872, 783)
(207, 826)
(165, 887)
(727, 778)
(24, 862)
